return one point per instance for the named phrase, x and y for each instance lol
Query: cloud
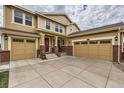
(86, 17)
(1, 15)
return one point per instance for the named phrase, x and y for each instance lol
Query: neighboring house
(28, 34)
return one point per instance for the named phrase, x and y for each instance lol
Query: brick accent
(122, 55)
(115, 53)
(55, 49)
(64, 48)
(38, 53)
(4, 56)
(69, 50)
(42, 52)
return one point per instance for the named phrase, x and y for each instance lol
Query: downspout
(119, 38)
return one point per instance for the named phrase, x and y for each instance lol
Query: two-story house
(28, 34)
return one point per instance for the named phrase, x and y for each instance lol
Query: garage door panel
(97, 51)
(22, 50)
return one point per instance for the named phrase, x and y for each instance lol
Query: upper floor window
(57, 28)
(28, 20)
(18, 17)
(47, 24)
(61, 29)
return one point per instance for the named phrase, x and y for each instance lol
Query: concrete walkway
(65, 72)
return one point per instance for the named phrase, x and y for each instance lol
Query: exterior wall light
(6, 37)
(116, 38)
(88, 39)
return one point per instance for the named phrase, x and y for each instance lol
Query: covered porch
(51, 44)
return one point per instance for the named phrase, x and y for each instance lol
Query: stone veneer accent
(4, 56)
(42, 52)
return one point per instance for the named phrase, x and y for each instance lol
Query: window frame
(48, 24)
(29, 20)
(17, 16)
(57, 27)
(61, 29)
(23, 17)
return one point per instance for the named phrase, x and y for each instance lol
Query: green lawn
(4, 78)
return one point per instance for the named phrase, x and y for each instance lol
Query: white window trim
(50, 25)
(29, 20)
(59, 28)
(9, 45)
(36, 47)
(2, 41)
(38, 22)
(122, 46)
(23, 24)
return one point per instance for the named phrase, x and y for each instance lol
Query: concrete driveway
(65, 72)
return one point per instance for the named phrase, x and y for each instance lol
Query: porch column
(42, 46)
(56, 46)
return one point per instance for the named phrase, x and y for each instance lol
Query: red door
(47, 44)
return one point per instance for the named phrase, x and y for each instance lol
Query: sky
(86, 16)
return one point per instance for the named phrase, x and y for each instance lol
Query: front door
(47, 44)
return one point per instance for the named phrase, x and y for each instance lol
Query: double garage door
(22, 49)
(94, 49)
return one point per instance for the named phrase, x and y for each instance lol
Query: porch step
(51, 56)
(63, 54)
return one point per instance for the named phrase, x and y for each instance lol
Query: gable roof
(61, 14)
(106, 28)
(57, 14)
(21, 8)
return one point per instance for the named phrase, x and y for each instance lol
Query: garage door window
(76, 43)
(93, 42)
(105, 42)
(84, 42)
(30, 41)
(18, 40)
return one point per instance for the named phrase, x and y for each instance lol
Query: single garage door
(94, 49)
(22, 49)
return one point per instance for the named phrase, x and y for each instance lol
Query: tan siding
(42, 25)
(9, 24)
(107, 34)
(61, 19)
(75, 29)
